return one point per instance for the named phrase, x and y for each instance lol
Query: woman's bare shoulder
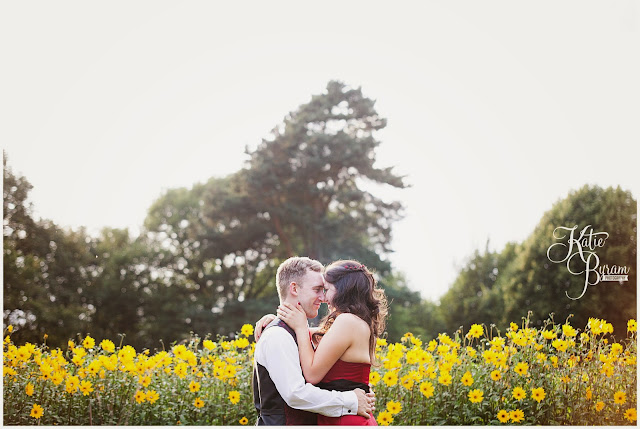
(351, 321)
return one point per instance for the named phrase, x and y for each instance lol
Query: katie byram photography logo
(581, 258)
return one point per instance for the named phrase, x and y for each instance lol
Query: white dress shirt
(278, 353)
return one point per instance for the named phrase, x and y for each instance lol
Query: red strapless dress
(358, 372)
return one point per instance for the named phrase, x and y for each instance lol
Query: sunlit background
(495, 110)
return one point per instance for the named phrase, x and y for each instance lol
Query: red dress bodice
(354, 371)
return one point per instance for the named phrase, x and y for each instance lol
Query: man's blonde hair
(292, 270)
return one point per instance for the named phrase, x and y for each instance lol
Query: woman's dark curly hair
(356, 293)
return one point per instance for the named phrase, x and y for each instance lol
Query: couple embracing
(309, 376)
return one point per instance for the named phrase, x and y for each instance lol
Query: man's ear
(293, 289)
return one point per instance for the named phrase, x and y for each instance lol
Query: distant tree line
(206, 258)
(205, 261)
(500, 287)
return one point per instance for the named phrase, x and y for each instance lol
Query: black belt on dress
(343, 385)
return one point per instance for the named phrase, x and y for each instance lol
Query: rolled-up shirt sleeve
(278, 353)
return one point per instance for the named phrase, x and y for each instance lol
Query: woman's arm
(261, 324)
(333, 345)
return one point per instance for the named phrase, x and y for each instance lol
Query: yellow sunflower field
(554, 375)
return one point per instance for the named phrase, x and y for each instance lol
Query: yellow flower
(145, 381)
(607, 369)
(631, 414)
(23, 354)
(243, 421)
(519, 339)
(516, 415)
(140, 397)
(599, 406)
(503, 416)
(241, 343)
(374, 378)
(496, 375)
(384, 418)
(445, 378)
(489, 356)
(513, 327)
(57, 377)
(72, 384)
(497, 343)
(616, 349)
(632, 326)
(247, 330)
(77, 360)
(432, 345)
(391, 364)
(394, 407)
(10, 328)
(522, 368)
(180, 370)
(36, 411)
(108, 346)
(234, 396)
(475, 331)
(548, 335)
(88, 342)
(426, 388)
(390, 378)
(407, 382)
(198, 403)
(568, 330)
(152, 396)
(538, 394)
(180, 351)
(619, 397)
(230, 371)
(194, 386)
(471, 352)
(467, 379)
(518, 393)
(589, 394)
(443, 349)
(413, 356)
(476, 395)
(29, 389)
(209, 345)
(85, 387)
(560, 345)
(541, 357)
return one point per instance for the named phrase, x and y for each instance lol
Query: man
(281, 395)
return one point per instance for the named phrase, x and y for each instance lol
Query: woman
(342, 360)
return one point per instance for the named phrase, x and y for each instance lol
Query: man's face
(311, 293)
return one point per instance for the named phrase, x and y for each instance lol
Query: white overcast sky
(496, 109)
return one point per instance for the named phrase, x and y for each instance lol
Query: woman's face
(331, 292)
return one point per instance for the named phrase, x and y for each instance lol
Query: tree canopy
(206, 259)
(501, 287)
